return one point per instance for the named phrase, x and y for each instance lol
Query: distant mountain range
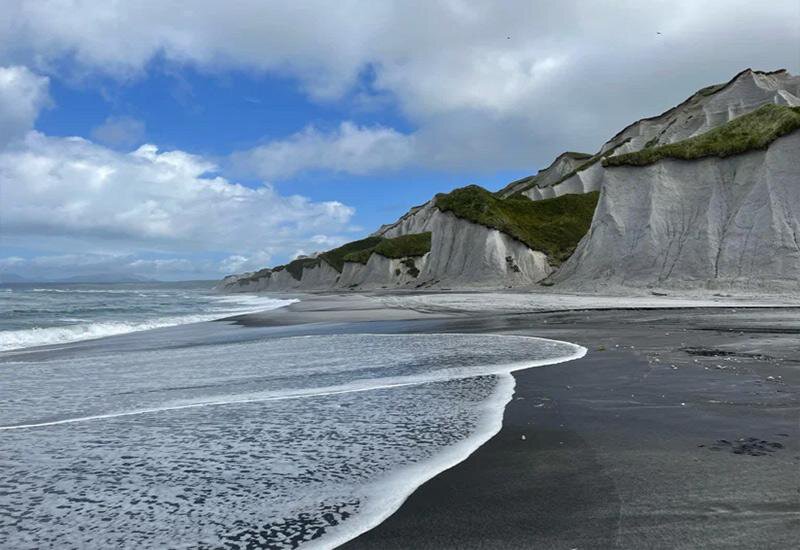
(93, 278)
(704, 195)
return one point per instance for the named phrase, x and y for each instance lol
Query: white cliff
(705, 110)
(713, 223)
(467, 254)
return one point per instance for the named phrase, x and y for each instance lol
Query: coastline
(645, 442)
(622, 450)
(491, 424)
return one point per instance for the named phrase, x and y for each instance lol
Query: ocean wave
(345, 417)
(43, 336)
(358, 386)
(86, 290)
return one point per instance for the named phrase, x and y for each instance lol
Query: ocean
(38, 314)
(173, 430)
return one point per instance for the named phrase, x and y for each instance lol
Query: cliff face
(462, 254)
(713, 222)
(707, 194)
(378, 272)
(469, 254)
(703, 111)
(709, 108)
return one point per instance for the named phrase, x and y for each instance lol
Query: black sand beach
(679, 429)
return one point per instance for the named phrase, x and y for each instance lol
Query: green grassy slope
(553, 226)
(405, 246)
(752, 131)
(336, 257)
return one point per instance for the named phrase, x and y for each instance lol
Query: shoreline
(679, 428)
(626, 447)
(645, 442)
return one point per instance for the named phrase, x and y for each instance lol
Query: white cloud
(122, 131)
(69, 190)
(349, 149)
(61, 266)
(485, 85)
(552, 75)
(22, 95)
(102, 206)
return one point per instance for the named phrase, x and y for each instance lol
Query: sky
(190, 140)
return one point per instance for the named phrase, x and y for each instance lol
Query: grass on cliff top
(357, 251)
(405, 246)
(296, 267)
(336, 257)
(754, 130)
(590, 160)
(553, 226)
(261, 273)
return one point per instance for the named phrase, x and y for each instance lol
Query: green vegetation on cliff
(590, 160)
(754, 130)
(334, 257)
(296, 267)
(405, 246)
(553, 226)
(260, 274)
(337, 256)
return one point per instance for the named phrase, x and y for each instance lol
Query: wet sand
(679, 429)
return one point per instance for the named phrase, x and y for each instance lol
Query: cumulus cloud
(119, 131)
(484, 85)
(75, 191)
(110, 266)
(350, 149)
(22, 95)
(555, 75)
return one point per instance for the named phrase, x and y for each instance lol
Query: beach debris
(751, 446)
(522, 437)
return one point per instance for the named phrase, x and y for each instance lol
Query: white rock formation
(463, 254)
(563, 165)
(709, 108)
(712, 222)
(467, 254)
(382, 272)
(703, 111)
(715, 223)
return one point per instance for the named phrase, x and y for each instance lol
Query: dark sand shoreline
(679, 429)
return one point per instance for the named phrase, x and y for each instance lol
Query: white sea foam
(43, 336)
(353, 387)
(317, 434)
(392, 491)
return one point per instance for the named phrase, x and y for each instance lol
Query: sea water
(272, 442)
(34, 314)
